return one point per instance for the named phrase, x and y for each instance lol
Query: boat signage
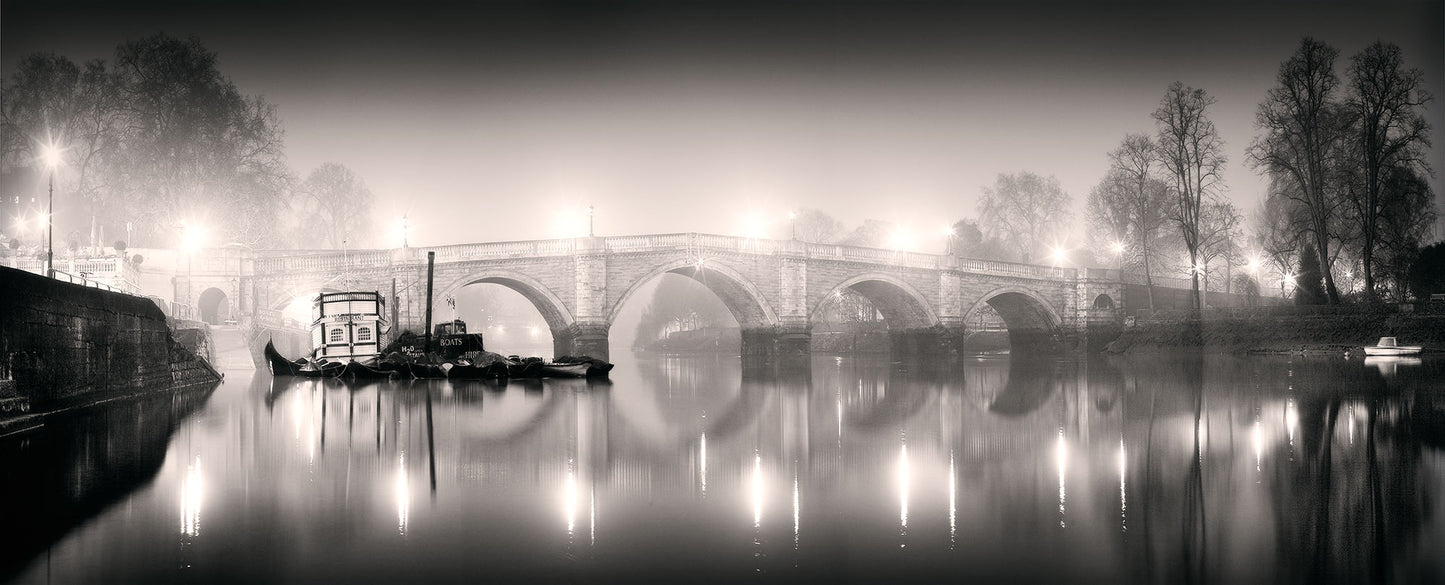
(348, 318)
(450, 346)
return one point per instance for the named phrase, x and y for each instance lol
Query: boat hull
(1392, 351)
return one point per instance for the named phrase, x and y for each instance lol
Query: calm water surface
(1181, 468)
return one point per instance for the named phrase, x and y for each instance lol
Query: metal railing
(1268, 311)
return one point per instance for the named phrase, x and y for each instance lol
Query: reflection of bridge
(775, 288)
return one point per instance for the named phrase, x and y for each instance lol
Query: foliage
(1348, 170)
(1248, 287)
(157, 136)
(969, 241)
(1389, 137)
(1303, 128)
(1025, 211)
(1309, 283)
(1427, 272)
(1276, 234)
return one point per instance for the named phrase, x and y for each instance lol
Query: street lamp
(51, 154)
(590, 233)
(793, 224)
(1059, 256)
(948, 234)
(190, 241)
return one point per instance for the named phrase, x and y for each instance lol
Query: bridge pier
(1034, 340)
(579, 339)
(936, 341)
(776, 342)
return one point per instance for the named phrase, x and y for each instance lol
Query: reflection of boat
(366, 369)
(1388, 347)
(1388, 364)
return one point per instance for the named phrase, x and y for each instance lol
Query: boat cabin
(348, 326)
(453, 327)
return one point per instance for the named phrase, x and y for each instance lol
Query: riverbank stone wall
(67, 345)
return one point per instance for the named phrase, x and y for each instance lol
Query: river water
(1168, 469)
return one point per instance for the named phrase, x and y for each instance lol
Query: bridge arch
(903, 307)
(748, 305)
(1030, 318)
(553, 310)
(214, 306)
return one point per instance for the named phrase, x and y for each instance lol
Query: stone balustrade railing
(110, 273)
(697, 243)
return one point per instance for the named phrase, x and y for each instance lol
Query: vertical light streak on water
(191, 499)
(403, 495)
(592, 516)
(569, 499)
(1291, 420)
(1061, 453)
(1123, 498)
(757, 489)
(1352, 424)
(952, 502)
(1258, 448)
(903, 481)
(795, 511)
(702, 462)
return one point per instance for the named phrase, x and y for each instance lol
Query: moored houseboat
(348, 326)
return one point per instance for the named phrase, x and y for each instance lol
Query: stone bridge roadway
(774, 288)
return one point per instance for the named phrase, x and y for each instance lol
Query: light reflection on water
(689, 467)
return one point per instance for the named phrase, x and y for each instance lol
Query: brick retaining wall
(67, 345)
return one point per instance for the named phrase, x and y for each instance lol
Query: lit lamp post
(1119, 257)
(190, 240)
(793, 224)
(1059, 256)
(51, 154)
(948, 234)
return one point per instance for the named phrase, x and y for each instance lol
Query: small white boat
(1387, 346)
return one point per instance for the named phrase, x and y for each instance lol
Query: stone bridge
(774, 288)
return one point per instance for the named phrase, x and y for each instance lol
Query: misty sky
(504, 121)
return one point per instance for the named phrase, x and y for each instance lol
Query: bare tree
(812, 225)
(1026, 211)
(1136, 158)
(1219, 235)
(1390, 134)
(1108, 209)
(1278, 225)
(49, 101)
(1193, 155)
(335, 205)
(1302, 128)
(192, 146)
(873, 233)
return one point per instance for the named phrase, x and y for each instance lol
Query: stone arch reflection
(1008, 386)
